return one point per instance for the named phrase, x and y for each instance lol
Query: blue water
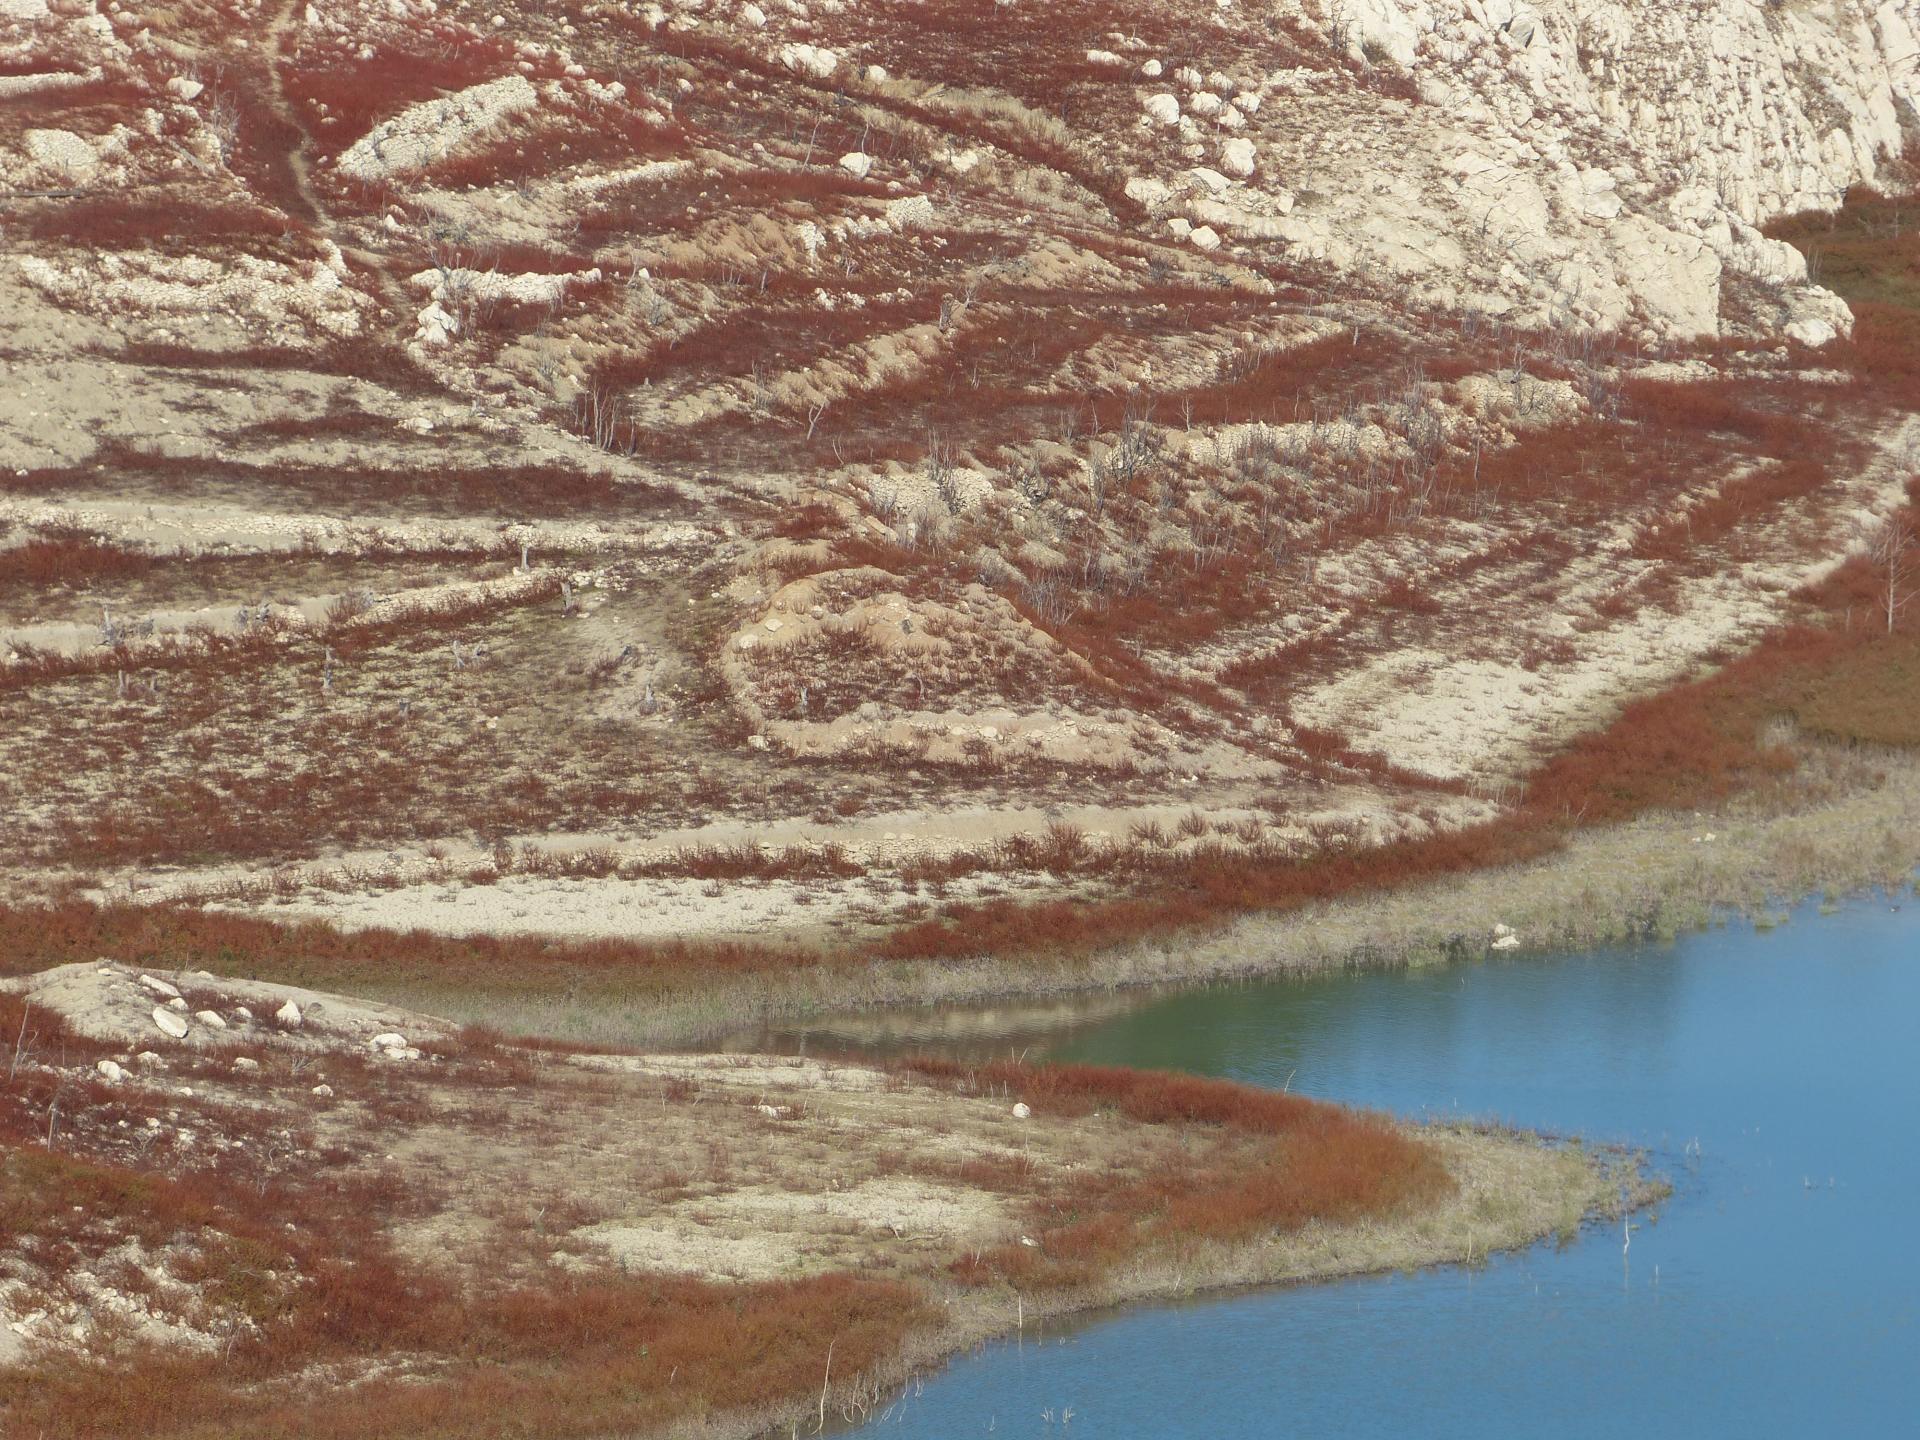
(1775, 1294)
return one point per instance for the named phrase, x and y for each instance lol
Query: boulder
(1145, 190)
(169, 1022)
(1162, 109)
(110, 1071)
(1022, 1111)
(288, 1016)
(210, 1018)
(1236, 157)
(159, 987)
(856, 163)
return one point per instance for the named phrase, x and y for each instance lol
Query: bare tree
(1891, 566)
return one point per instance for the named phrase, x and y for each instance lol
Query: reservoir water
(1773, 1076)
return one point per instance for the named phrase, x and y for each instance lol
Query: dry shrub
(130, 222)
(1281, 1161)
(311, 953)
(69, 557)
(588, 1357)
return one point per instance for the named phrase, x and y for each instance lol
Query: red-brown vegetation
(1320, 1162)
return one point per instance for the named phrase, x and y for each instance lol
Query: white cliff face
(1585, 162)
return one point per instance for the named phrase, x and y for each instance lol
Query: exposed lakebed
(1770, 1074)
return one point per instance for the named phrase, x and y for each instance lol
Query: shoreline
(722, 1229)
(1535, 1188)
(1652, 878)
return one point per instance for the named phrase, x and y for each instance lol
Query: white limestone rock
(155, 985)
(1147, 191)
(62, 152)
(811, 60)
(423, 134)
(110, 1071)
(169, 1022)
(211, 1019)
(1237, 157)
(856, 163)
(288, 1016)
(1162, 109)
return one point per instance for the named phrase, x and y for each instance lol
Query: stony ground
(195, 1162)
(450, 449)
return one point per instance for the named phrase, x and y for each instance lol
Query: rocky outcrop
(1574, 162)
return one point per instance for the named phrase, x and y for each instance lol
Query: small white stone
(856, 163)
(210, 1018)
(176, 1003)
(1023, 1111)
(246, 1062)
(241, 1012)
(389, 1040)
(325, 1092)
(288, 1015)
(1162, 109)
(110, 1071)
(1204, 237)
(160, 987)
(169, 1022)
